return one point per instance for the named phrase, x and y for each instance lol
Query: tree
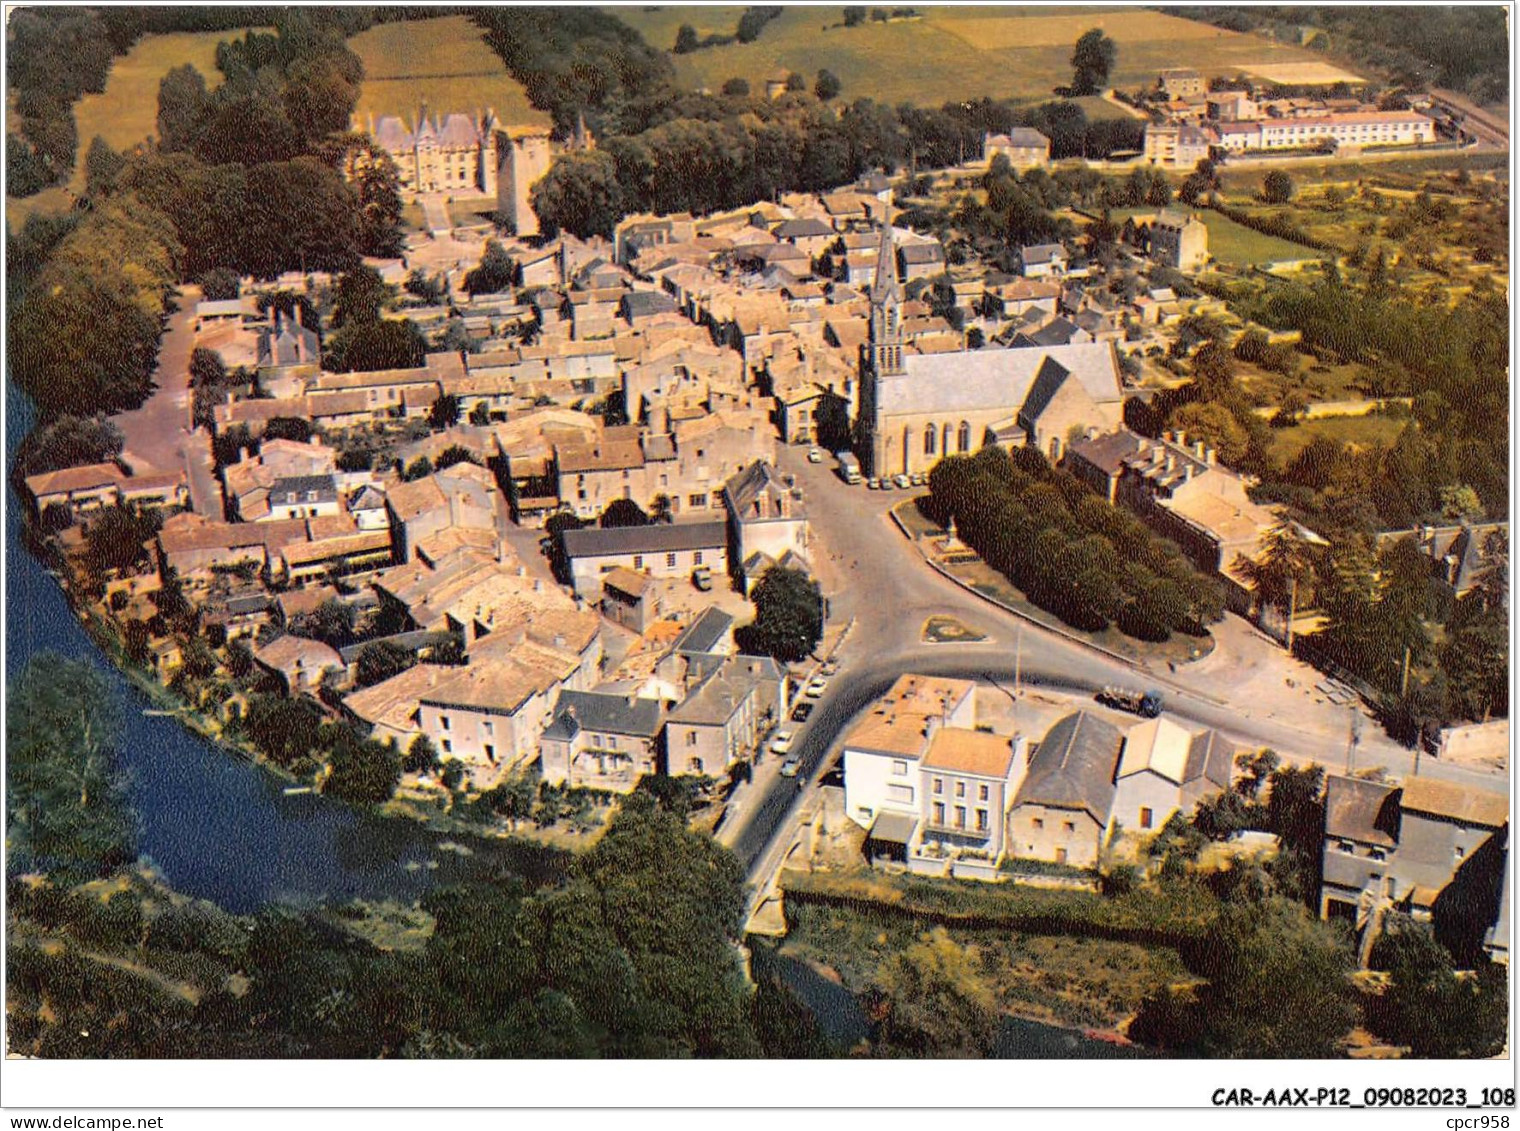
(1092, 62)
(295, 428)
(206, 368)
(788, 616)
(1215, 425)
(360, 297)
(65, 801)
(623, 512)
(115, 539)
(429, 288)
(445, 412)
(68, 441)
(735, 88)
(332, 622)
(932, 1000)
(495, 272)
(284, 730)
(369, 346)
(582, 193)
(1426, 1006)
(480, 414)
(380, 660)
(454, 454)
(419, 468)
(363, 772)
(1460, 503)
(421, 756)
(795, 83)
(827, 86)
(854, 16)
(182, 107)
(377, 184)
(686, 40)
(1283, 561)
(1278, 987)
(102, 165)
(1277, 187)
(219, 284)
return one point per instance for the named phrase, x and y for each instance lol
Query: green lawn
(949, 54)
(1360, 430)
(442, 63)
(1230, 242)
(126, 112)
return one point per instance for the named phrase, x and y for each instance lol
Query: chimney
(1209, 455)
(1092, 433)
(1199, 447)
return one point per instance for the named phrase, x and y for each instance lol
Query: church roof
(971, 380)
(884, 285)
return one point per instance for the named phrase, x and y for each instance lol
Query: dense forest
(1461, 48)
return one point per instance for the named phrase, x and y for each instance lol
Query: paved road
(890, 590)
(156, 430)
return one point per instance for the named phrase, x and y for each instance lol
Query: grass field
(1230, 242)
(441, 63)
(1360, 430)
(126, 112)
(952, 53)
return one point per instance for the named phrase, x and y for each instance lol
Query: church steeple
(886, 307)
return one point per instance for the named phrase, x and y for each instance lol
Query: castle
(463, 156)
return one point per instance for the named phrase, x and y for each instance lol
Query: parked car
(919, 479)
(815, 455)
(801, 712)
(886, 483)
(902, 481)
(701, 577)
(781, 741)
(790, 768)
(830, 667)
(873, 484)
(815, 687)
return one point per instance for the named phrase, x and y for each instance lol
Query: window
(698, 500)
(983, 792)
(694, 765)
(488, 726)
(447, 746)
(981, 820)
(963, 441)
(691, 738)
(939, 785)
(696, 558)
(1458, 854)
(960, 789)
(1145, 817)
(929, 440)
(670, 561)
(1374, 853)
(900, 769)
(1060, 856)
(939, 812)
(490, 752)
(443, 721)
(638, 561)
(960, 816)
(1070, 827)
(1039, 823)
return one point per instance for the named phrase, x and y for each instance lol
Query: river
(217, 827)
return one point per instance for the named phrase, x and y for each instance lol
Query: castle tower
(524, 157)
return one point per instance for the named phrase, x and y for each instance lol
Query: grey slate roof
(704, 634)
(1210, 758)
(1041, 253)
(801, 229)
(658, 538)
(922, 253)
(1365, 811)
(295, 488)
(1107, 452)
(643, 304)
(993, 378)
(1073, 768)
(599, 711)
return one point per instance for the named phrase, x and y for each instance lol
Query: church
(915, 408)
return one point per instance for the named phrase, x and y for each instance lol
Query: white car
(815, 456)
(873, 484)
(781, 741)
(815, 687)
(902, 481)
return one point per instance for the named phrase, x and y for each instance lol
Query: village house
(659, 550)
(1179, 241)
(1061, 811)
(461, 497)
(967, 782)
(601, 740)
(1436, 850)
(1167, 769)
(1181, 82)
(766, 515)
(1025, 148)
(1040, 261)
(629, 599)
(455, 154)
(883, 750)
(720, 721)
(298, 663)
(91, 487)
(1176, 145)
